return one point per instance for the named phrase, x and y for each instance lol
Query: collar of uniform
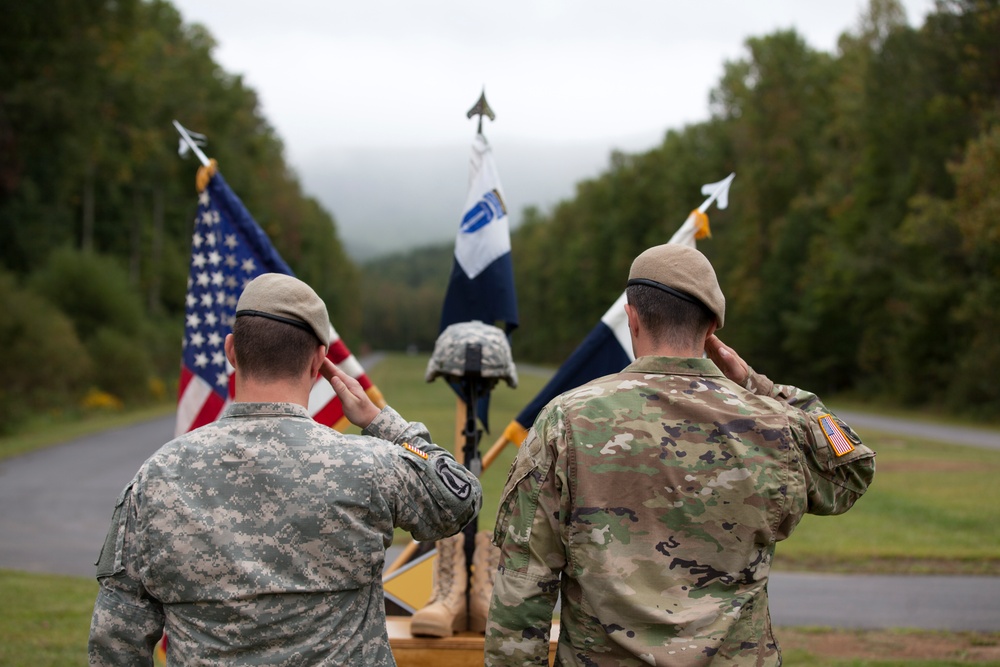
(265, 409)
(674, 366)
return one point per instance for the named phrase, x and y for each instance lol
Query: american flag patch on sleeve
(835, 436)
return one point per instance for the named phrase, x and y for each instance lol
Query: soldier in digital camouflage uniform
(260, 539)
(651, 500)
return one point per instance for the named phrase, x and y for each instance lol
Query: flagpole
(494, 451)
(191, 143)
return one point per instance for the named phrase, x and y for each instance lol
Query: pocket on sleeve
(521, 467)
(110, 561)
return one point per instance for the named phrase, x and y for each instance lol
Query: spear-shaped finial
(718, 192)
(191, 141)
(481, 109)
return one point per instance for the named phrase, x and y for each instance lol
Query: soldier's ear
(712, 328)
(633, 320)
(316, 363)
(230, 350)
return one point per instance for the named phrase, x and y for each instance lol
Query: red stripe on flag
(186, 376)
(331, 413)
(338, 351)
(365, 383)
(209, 412)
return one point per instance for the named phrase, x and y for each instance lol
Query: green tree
(45, 365)
(977, 210)
(775, 105)
(93, 290)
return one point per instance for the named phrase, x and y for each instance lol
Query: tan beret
(283, 298)
(682, 271)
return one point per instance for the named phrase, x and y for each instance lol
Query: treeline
(861, 249)
(402, 296)
(96, 207)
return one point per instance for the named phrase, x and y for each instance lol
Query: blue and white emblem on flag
(484, 234)
(482, 277)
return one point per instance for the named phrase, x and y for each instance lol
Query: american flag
(841, 445)
(228, 250)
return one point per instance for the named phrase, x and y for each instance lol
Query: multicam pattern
(652, 501)
(260, 539)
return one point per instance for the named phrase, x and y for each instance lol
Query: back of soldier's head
(279, 323)
(267, 350)
(668, 319)
(675, 293)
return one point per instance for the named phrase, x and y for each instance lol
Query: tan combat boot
(445, 613)
(485, 561)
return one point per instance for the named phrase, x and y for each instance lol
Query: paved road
(957, 435)
(55, 505)
(57, 502)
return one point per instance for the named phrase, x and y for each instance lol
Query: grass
(929, 510)
(44, 619)
(887, 648)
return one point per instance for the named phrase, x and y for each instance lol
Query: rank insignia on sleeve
(835, 436)
(410, 448)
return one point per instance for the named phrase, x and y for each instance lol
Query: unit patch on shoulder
(410, 448)
(835, 436)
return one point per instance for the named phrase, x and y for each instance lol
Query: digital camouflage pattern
(652, 500)
(260, 539)
(450, 352)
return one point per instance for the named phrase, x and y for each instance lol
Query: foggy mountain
(386, 200)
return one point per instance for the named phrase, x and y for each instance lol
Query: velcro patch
(413, 450)
(452, 482)
(835, 435)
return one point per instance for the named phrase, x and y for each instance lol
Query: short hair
(268, 350)
(670, 319)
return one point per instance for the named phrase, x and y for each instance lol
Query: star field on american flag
(228, 250)
(221, 266)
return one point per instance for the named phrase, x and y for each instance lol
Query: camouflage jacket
(259, 539)
(651, 501)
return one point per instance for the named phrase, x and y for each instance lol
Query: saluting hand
(725, 357)
(358, 407)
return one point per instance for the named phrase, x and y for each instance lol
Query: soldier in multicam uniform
(260, 539)
(651, 500)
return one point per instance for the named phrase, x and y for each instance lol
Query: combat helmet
(469, 348)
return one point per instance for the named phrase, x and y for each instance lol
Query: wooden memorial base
(462, 650)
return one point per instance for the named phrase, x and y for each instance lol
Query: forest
(860, 252)
(97, 209)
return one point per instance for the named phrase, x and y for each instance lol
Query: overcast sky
(370, 96)
(372, 73)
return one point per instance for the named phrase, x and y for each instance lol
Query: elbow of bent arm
(838, 492)
(123, 631)
(453, 502)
